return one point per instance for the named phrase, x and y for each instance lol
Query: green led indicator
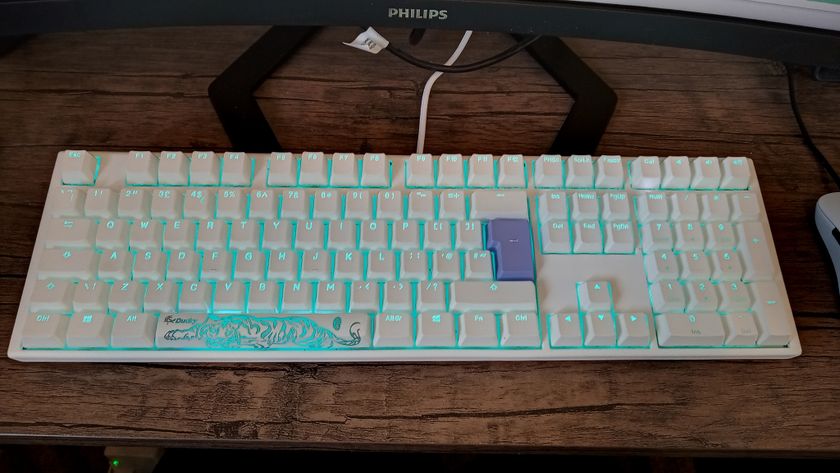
(115, 462)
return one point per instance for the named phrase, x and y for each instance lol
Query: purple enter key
(510, 240)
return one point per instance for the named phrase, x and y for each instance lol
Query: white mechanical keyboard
(208, 256)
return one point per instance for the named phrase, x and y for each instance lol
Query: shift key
(493, 296)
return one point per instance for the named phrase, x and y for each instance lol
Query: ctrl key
(520, 330)
(44, 330)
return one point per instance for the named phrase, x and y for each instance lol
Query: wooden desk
(147, 90)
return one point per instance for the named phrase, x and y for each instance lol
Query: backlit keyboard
(203, 256)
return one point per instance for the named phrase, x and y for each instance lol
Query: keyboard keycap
(548, 171)
(706, 173)
(69, 202)
(406, 235)
(511, 171)
(510, 242)
(77, 167)
(477, 329)
(478, 266)
(173, 168)
(431, 296)
(260, 331)
(134, 330)
(555, 237)
(599, 329)
(393, 330)
(770, 309)
(420, 171)
(588, 237)
(487, 204)
(657, 236)
(594, 296)
(740, 329)
(89, 330)
(52, 296)
(677, 173)
(484, 296)
(200, 203)
(446, 266)
(141, 168)
(397, 296)
(101, 203)
(745, 207)
(90, 296)
(616, 206)
(579, 171)
(468, 235)
(482, 172)
(736, 173)
(585, 206)
(204, 169)
(167, 204)
(564, 330)
(60, 263)
(364, 296)
(44, 330)
(610, 173)
(619, 238)
(450, 171)
(553, 206)
(345, 170)
(667, 296)
(520, 329)
(690, 330)
(357, 205)
(435, 329)
(390, 205)
(376, 170)
(70, 233)
(754, 247)
(652, 207)
(646, 173)
(684, 207)
(313, 169)
(133, 203)
(282, 169)
(715, 208)
(633, 330)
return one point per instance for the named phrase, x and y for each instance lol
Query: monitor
(794, 31)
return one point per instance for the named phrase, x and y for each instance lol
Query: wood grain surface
(146, 89)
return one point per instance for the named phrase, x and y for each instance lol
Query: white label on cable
(370, 41)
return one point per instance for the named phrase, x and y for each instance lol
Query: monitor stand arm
(231, 93)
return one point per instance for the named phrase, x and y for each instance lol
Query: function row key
(482, 170)
(206, 168)
(579, 171)
(680, 172)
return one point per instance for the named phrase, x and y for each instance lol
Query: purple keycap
(510, 240)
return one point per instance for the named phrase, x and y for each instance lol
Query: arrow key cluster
(596, 324)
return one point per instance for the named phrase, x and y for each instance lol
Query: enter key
(510, 241)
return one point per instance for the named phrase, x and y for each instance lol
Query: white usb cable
(427, 90)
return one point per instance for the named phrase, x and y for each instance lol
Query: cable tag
(369, 41)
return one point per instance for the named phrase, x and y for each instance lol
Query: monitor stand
(248, 130)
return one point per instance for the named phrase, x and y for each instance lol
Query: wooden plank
(57, 92)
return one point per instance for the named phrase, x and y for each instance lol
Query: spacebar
(496, 296)
(263, 331)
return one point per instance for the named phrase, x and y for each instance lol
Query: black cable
(803, 130)
(431, 66)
